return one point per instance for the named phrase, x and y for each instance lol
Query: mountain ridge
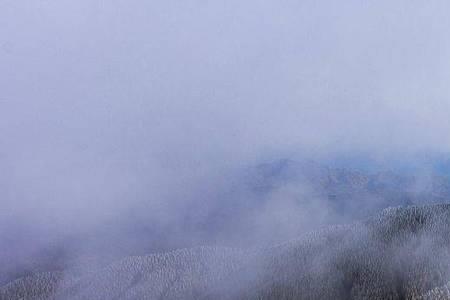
(400, 253)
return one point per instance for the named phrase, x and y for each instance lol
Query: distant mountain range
(306, 186)
(346, 186)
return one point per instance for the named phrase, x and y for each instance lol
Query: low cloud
(105, 108)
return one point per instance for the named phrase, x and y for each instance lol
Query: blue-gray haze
(143, 109)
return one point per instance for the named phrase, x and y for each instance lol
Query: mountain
(260, 205)
(400, 253)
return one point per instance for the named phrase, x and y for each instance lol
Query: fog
(145, 108)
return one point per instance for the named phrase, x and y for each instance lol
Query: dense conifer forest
(401, 253)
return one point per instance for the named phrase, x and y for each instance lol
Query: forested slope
(402, 253)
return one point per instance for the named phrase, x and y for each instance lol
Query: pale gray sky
(102, 101)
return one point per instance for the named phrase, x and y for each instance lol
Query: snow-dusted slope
(402, 253)
(259, 205)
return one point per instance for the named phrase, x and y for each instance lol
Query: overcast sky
(102, 101)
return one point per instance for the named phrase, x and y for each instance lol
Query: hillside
(401, 253)
(244, 211)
